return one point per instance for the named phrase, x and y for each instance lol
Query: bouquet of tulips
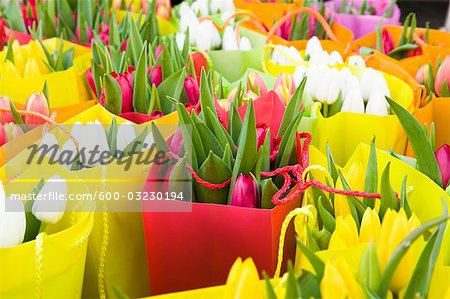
(436, 81)
(163, 7)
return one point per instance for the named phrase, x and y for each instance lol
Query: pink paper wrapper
(361, 25)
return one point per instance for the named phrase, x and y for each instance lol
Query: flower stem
(325, 110)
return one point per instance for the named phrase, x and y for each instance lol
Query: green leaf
(401, 250)
(112, 137)
(288, 142)
(426, 160)
(155, 102)
(398, 52)
(113, 95)
(160, 142)
(327, 218)
(268, 190)
(356, 207)
(332, 169)
(219, 131)
(292, 109)
(206, 96)
(135, 41)
(208, 140)
(135, 146)
(292, 287)
(191, 139)
(317, 264)
(17, 117)
(213, 170)
(309, 285)
(172, 87)
(388, 198)
(406, 23)
(403, 201)
(246, 153)
(270, 291)
(180, 180)
(234, 124)
(228, 156)
(371, 179)
(14, 17)
(369, 269)
(140, 83)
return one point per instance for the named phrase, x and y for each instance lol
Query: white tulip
(189, 20)
(200, 7)
(356, 60)
(148, 141)
(225, 16)
(50, 142)
(126, 133)
(380, 86)
(12, 222)
(90, 137)
(228, 7)
(313, 46)
(68, 153)
(207, 36)
(50, 204)
(351, 83)
(320, 58)
(299, 74)
(377, 105)
(184, 9)
(333, 87)
(366, 82)
(179, 38)
(215, 6)
(244, 44)
(321, 92)
(315, 76)
(229, 42)
(353, 102)
(294, 54)
(335, 58)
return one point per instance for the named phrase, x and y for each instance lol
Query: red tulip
(5, 117)
(37, 102)
(200, 62)
(443, 77)
(125, 81)
(261, 132)
(104, 33)
(418, 51)
(156, 114)
(256, 83)
(2, 135)
(158, 51)
(245, 192)
(155, 74)
(387, 42)
(443, 159)
(192, 90)
(90, 79)
(284, 31)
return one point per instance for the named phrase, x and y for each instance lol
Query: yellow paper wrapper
(65, 88)
(53, 265)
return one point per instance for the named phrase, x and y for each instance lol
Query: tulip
(9, 71)
(422, 74)
(355, 178)
(299, 74)
(245, 192)
(91, 138)
(104, 33)
(155, 74)
(179, 38)
(200, 7)
(370, 226)
(350, 83)
(313, 46)
(335, 58)
(443, 79)
(345, 234)
(261, 133)
(243, 280)
(373, 82)
(333, 88)
(125, 82)
(314, 81)
(284, 87)
(90, 79)
(5, 117)
(2, 135)
(37, 102)
(12, 131)
(31, 69)
(443, 159)
(339, 282)
(49, 210)
(88, 30)
(215, 6)
(126, 134)
(49, 141)
(189, 20)
(158, 51)
(320, 57)
(353, 102)
(207, 37)
(229, 42)
(192, 90)
(228, 7)
(184, 8)
(356, 60)
(12, 222)
(68, 154)
(244, 44)
(387, 42)
(256, 83)
(369, 268)
(176, 142)
(394, 229)
(284, 31)
(225, 104)
(200, 62)
(377, 105)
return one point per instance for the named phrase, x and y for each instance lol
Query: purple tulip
(245, 192)
(192, 90)
(443, 159)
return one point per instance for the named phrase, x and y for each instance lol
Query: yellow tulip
(31, 69)
(370, 226)
(354, 177)
(9, 71)
(394, 229)
(341, 206)
(345, 234)
(243, 280)
(340, 282)
(20, 57)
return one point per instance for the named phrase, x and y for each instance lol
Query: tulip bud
(377, 105)
(353, 102)
(229, 42)
(369, 268)
(37, 102)
(156, 75)
(244, 44)
(284, 87)
(245, 192)
(9, 71)
(225, 104)
(192, 90)
(356, 60)
(256, 84)
(313, 47)
(90, 79)
(299, 74)
(5, 117)
(12, 131)
(176, 142)
(386, 42)
(179, 38)
(126, 134)
(261, 132)
(339, 281)
(88, 31)
(443, 159)
(443, 79)
(2, 135)
(346, 234)
(370, 226)
(12, 222)
(158, 51)
(51, 211)
(335, 58)
(31, 69)
(243, 280)
(422, 74)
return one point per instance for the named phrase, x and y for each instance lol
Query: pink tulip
(104, 33)
(284, 87)
(261, 132)
(443, 77)
(176, 142)
(256, 83)
(90, 79)
(285, 30)
(2, 135)
(5, 117)
(89, 33)
(443, 159)
(158, 51)
(387, 42)
(422, 74)
(37, 102)
(245, 193)
(156, 75)
(192, 90)
(12, 131)
(125, 82)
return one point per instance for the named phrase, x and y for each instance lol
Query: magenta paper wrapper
(364, 24)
